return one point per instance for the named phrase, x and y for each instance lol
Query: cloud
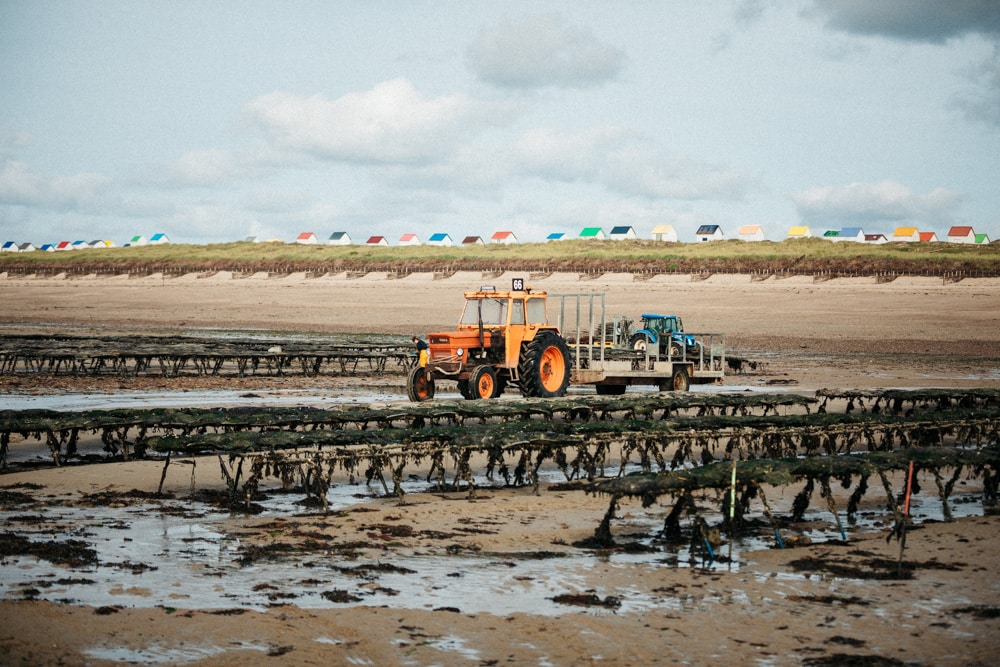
(83, 193)
(391, 123)
(19, 185)
(885, 201)
(922, 20)
(12, 141)
(200, 168)
(622, 161)
(543, 51)
(981, 102)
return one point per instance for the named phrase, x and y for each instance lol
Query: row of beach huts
(664, 233)
(13, 246)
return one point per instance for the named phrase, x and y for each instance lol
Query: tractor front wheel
(483, 383)
(544, 366)
(419, 385)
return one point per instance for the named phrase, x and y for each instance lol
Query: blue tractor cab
(665, 333)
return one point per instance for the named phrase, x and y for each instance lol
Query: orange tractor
(502, 338)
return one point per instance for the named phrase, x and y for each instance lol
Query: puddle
(181, 554)
(178, 399)
(160, 655)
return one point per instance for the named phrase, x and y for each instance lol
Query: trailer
(602, 354)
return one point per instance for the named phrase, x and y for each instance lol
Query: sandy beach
(793, 606)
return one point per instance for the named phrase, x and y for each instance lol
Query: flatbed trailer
(601, 356)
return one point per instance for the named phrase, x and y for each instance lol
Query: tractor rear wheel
(419, 385)
(544, 366)
(483, 383)
(638, 342)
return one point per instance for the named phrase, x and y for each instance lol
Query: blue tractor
(666, 334)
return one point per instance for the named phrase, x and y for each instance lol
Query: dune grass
(732, 255)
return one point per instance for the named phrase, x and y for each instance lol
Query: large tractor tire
(483, 383)
(544, 366)
(419, 385)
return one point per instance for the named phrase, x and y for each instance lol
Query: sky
(213, 121)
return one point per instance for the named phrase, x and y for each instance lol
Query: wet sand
(835, 334)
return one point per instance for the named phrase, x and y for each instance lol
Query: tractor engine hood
(449, 350)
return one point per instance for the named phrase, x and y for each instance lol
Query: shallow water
(195, 561)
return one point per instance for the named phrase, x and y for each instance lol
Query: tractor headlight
(460, 352)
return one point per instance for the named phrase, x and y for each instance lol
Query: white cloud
(642, 172)
(391, 123)
(89, 192)
(19, 185)
(543, 51)
(886, 200)
(622, 161)
(83, 193)
(569, 155)
(200, 168)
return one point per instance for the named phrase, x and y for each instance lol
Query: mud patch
(978, 611)
(71, 553)
(588, 600)
(848, 660)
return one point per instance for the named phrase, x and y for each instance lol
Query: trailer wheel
(483, 383)
(680, 381)
(544, 366)
(419, 385)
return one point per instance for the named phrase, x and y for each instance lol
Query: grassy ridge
(790, 256)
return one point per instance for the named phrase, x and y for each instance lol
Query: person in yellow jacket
(421, 350)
